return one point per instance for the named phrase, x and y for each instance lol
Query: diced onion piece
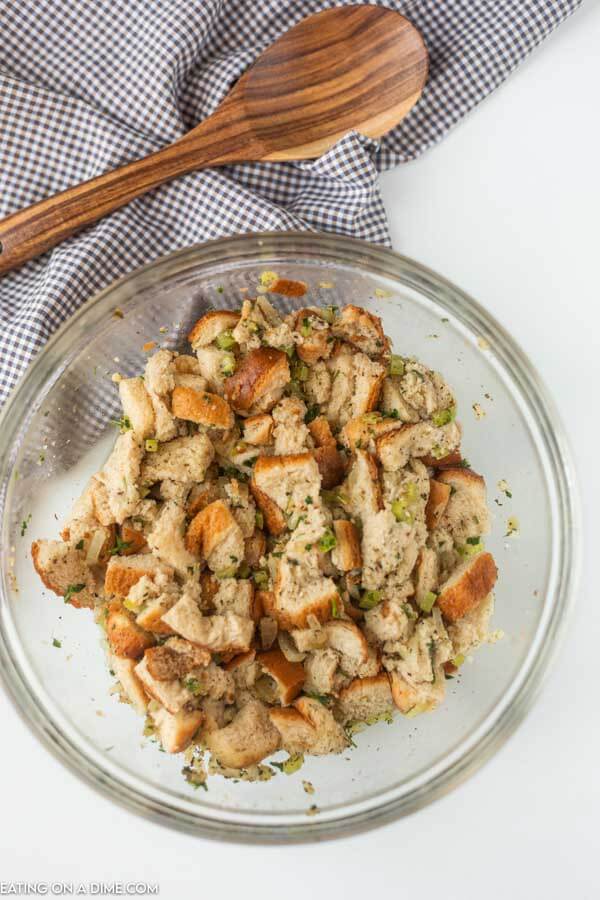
(289, 650)
(95, 548)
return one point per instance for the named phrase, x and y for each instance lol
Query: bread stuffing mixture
(285, 542)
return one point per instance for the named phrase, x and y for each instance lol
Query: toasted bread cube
(123, 572)
(361, 329)
(362, 488)
(357, 658)
(299, 591)
(228, 633)
(273, 516)
(396, 448)
(247, 740)
(133, 688)
(258, 381)
(329, 736)
(423, 697)
(297, 734)
(235, 595)
(124, 635)
(439, 494)
(255, 548)
(427, 574)
(314, 336)
(167, 540)
(472, 629)
(200, 496)
(202, 407)
(258, 430)
(173, 695)
(468, 586)
(361, 432)
(61, 566)
(135, 540)
(137, 406)
(281, 478)
(320, 430)
(208, 328)
(346, 554)
(449, 461)
(215, 534)
(290, 434)
(365, 699)
(120, 476)
(175, 659)
(331, 465)
(288, 676)
(175, 732)
(466, 513)
(185, 364)
(321, 668)
(150, 616)
(182, 459)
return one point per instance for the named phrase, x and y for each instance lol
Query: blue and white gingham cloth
(87, 85)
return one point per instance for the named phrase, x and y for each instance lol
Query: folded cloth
(87, 85)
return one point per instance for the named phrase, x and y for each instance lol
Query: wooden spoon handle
(33, 230)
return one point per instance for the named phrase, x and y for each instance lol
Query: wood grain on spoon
(356, 68)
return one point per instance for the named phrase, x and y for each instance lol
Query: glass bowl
(55, 431)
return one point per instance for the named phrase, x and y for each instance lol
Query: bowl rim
(495, 729)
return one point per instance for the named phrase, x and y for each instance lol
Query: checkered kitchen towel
(87, 85)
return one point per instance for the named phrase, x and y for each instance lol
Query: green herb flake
(79, 545)
(259, 520)
(24, 525)
(292, 764)
(119, 546)
(56, 643)
(327, 542)
(151, 445)
(311, 413)
(123, 424)
(369, 599)
(323, 699)
(73, 589)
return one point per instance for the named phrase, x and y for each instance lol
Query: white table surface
(508, 207)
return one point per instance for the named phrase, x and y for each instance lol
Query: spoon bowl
(358, 68)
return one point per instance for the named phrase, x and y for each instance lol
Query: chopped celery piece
(401, 513)
(151, 445)
(370, 599)
(428, 601)
(225, 340)
(396, 365)
(327, 542)
(444, 416)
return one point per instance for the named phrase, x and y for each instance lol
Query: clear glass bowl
(55, 431)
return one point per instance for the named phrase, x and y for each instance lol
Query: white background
(508, 207)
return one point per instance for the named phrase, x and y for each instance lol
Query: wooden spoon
(353, 67)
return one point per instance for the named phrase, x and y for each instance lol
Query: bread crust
(288, 676)
(439, 494)
(202, 407)
(259, 375)
(468, 586)
(211, 325)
